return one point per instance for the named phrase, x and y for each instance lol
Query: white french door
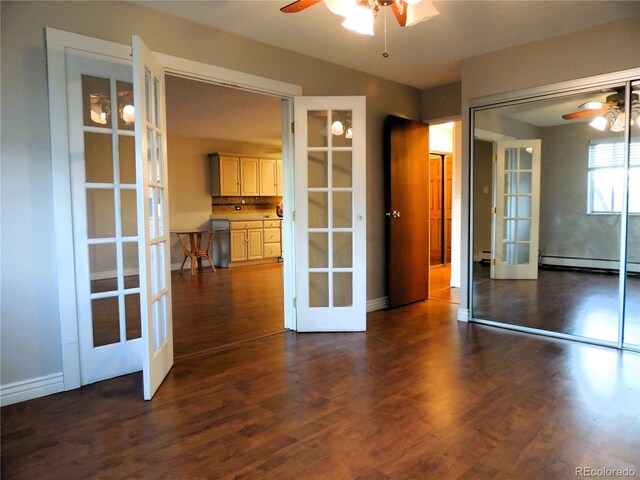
(329, 222)
(516, 216)
(153, 217)
(105, 231)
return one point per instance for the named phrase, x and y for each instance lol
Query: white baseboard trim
(576, 262)
(113, 274)
(30, 389)
(464, 315)
(377, 304)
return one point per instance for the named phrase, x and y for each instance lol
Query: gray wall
(442, 102)
(566, 57)
(566, 229)
(30, 344)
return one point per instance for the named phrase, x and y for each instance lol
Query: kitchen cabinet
(238, 175)
(246, 241)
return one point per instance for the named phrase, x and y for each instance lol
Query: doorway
(240, 301)
(441, 174)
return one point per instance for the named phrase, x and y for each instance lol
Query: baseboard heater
(593, 265)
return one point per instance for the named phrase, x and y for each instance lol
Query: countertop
(243, 217)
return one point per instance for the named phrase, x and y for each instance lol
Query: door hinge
(294, 302)
(293, 127)
(293, 216)
(494, 210)
(493, 261)
(495, 157)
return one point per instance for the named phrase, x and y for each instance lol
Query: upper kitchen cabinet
(237, 175)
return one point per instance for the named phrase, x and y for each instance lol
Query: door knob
(394, 214)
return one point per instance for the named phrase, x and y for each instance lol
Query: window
(606, 177)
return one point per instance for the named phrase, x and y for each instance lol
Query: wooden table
(194, 251)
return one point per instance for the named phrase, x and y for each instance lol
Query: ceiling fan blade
(584, 113)
(298, 6)
(401, 17)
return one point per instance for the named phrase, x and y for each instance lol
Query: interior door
(435, 210)
(105, 233)
(407, 202)
(517, 210)
(329, 216)
(153, 217)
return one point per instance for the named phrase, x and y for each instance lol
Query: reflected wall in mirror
(581, 203)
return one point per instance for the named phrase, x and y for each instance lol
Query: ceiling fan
(610, 113)
(360, 14)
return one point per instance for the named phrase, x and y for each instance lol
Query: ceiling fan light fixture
(337, 128)
(618, 123)
(420, 11)
(600, 123)
(360, 20)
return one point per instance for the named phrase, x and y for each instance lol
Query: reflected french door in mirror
(588, 259)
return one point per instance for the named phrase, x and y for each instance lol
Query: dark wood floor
(574, 302)
(213, 309)
(418, 396)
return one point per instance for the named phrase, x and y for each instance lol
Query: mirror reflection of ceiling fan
(610, 113)
(360, 14)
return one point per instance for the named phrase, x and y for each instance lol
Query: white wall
(603, 49)
(30, 336)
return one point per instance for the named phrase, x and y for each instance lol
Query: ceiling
(202, 110)
(423, 55)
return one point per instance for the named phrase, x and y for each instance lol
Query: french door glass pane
(318, 289)
(101, 212)
(318, 250)
(129, 207)
(318, 170)
(317, 128)
(126, 109)
(318, 210)
(343, 250)
(96, 101)
(342, 289)
(106, 324)
(132, 315)
(98, 156)
(127, 156)
(103, 267)
(341, 170)
(340, 128)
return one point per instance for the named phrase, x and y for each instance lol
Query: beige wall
(599, 50)
(442, 102)
(30, 330)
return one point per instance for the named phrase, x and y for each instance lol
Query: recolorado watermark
(594, 472)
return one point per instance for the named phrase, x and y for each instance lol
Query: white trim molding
(464, 315)
(30, 389)
(377, 304)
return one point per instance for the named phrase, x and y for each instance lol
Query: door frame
(57, 44)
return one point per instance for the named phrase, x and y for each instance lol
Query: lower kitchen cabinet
(246, 242)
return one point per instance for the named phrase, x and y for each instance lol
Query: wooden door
(249, 176)
(435, 209)
(229, 176)
(268, 173)
(407, 203)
